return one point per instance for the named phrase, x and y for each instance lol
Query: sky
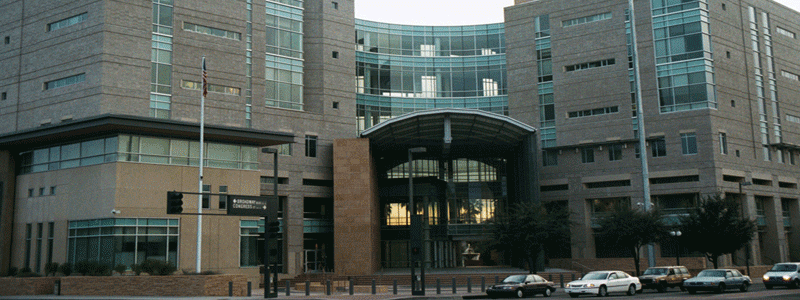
(448, 12)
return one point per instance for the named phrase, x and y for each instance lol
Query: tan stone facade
(356, 223)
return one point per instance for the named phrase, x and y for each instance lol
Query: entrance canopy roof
(450, 132)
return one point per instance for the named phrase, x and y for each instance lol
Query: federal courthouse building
(100, 109)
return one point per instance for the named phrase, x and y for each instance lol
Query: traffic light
(273, 229)
(174, 202)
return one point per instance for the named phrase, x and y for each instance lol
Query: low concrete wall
(175, 285)
(11, 286)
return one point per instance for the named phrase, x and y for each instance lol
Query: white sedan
(601, 283)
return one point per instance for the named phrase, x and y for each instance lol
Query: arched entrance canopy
(450, 132)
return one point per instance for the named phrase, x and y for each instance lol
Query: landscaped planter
(174, 285)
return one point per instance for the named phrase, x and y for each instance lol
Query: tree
(716, 227)
(632, 229)
(525, 228)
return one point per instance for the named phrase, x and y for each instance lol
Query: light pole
(274, 268)
(744, 203)
(677, 235)
(416, 229)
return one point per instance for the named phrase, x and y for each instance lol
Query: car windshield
(711, 273)
(784, 268)
(596, 276)
(656, 271)
(514, 279)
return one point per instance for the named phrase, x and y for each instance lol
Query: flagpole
(200, 178)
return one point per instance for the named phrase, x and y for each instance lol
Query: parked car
(717, 280)
(661, 278)
(786, 274)
(601, 283)
(522, 285)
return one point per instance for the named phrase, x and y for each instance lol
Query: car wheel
(744, 287)
(547, 292)
(662, 287)
(769, 287)
(795, 284)
(520, 293)
(631, 290)
(691, 291)
(603, 291)
(720, 288)
(574, 295)
(683, 289)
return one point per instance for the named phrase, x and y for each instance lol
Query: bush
(120, 268)
(65, 268)
(12, 271)
(93, 268)
(28, 274)
(25, 270)
(157, 267)
(192, 272)
(50, 268)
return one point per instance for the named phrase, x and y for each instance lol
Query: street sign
(250, 205)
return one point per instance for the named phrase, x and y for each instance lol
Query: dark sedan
(522, 285)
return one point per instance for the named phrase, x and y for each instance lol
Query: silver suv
(786, 274)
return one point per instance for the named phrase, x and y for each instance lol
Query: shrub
(158, 267)
(25, 270)
(50, 268)
(192, 272)
(137, 269)
(120, 268)
(65, 268)
(12, 271)
(92, 268)
(28, 274)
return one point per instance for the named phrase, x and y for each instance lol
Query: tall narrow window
(658, 147)
(206, 189)
(311, 146)
(28, 232)
(38, 266)
(723, 143)
(587, 155)
(50, 239)
(615, 152)
(3, 96)
(223, 199)
(689, 143)
(549, 158)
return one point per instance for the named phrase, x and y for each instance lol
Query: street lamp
(274, 268)
(744, 202)
(416, 229)
(677, 235)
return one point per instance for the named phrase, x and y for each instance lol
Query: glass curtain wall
(123, 241)
(403, 68)
(458, 198)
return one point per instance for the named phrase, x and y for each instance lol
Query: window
(206, 189)
(615, 152)
(790, 75)
(593, 112)
(123, 241)
(28, 232)
(50, 239)
(37, 267)
(67, 22)
(311, 146)
(792, 118)
(212, 88)
(3, 96)
(658, 147)
(223, 199)
(590, 65)
(587, 19)
(689, 143)
(723, 6)
(335, 105)
(733, 103)
(30, 193)
(723, 143)
(41, 191)
(335, 5)
(65, 81)
(212, 31)
(8, 40)
(785, 32)
(549, 158)
(285, 149)
(728, 54)
(587, 155)
(335, 54)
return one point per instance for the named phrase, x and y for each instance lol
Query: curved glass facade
(404, 68)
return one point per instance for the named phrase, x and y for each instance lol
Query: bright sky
(448, 12)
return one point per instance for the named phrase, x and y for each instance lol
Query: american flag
(205, 78)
